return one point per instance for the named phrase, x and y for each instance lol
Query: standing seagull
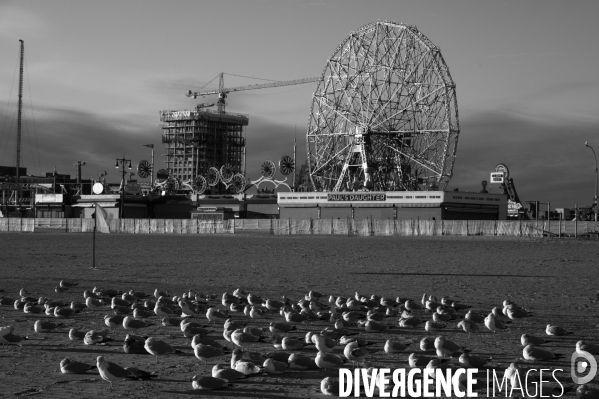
(111, 372)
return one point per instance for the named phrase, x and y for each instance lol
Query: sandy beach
(554, 279)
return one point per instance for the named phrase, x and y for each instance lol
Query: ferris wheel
(384, 115)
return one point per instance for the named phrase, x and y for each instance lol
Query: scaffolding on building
(199, 139)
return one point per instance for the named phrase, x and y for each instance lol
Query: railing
(348, 227)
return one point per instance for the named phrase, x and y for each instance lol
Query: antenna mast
(19, 121)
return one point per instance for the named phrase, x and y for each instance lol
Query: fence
(373, 227)
(124, 226)
(347, 227)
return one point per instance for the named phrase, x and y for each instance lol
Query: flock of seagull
(338, 343)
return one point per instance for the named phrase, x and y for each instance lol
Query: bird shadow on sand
(76, 350)
(232, 392)
(453, 274)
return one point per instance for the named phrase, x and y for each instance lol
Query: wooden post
(289, 225)
(559, 228)
(575, 220)
(332, 226)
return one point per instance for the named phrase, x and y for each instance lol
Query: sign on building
(496, 177)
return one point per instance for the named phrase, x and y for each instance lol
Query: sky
(99, 72)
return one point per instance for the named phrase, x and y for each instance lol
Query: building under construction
(198, 139)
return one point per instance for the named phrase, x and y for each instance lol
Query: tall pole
(19, 122)
(122, 161)
(294, 157)
(595, 201)
(78, 164)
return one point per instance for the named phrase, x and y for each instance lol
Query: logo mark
(581, 362)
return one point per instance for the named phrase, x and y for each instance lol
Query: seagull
(411, 322)
(93, 337)
(78, 306)
(556, 330)
(214, 315)
(63, 312)
(472, 360)
(111, 372)
(329, 387)
(527, 339)
(354, 353)
(8, 338)
(113, 321)
(279, 356)
(132, 324)
(468, 326)
(258, 332)
(76, 335)
(31, 308)
(435, 364)
(531, 352)
(241, 338)
(593, 349)
(395, 346)
(323, 343)
(142, 313)
(272, 366)
(157, 347)
(373, 326)
(92, 302)
(45, 326)
(300, 362)
(514, 312)
(474, 317)
(221, 371)
(327, 360)
(586, 392)
(199, 339)
(120, 302)
(209, 383)
(447, 348)
(256, 313)
(247, 368)
(493, 324)
(442, 317)
(344, 340)
(433, 326)
(420, 361)
(68, 366)
(134, 346)
(291, 344)
(205, 352)
(427, 344)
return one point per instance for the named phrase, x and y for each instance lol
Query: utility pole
(595, 201)
(122, 162)
(19, 124)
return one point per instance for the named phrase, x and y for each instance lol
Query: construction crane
(223, 91)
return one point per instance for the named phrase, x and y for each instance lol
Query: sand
(554, 279)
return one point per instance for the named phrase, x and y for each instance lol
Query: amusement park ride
(383, 118)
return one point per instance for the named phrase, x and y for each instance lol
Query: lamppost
(122, 162)
(586, 143)
(151, 170)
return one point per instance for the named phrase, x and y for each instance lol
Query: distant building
(199, 139)
(10, 171)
